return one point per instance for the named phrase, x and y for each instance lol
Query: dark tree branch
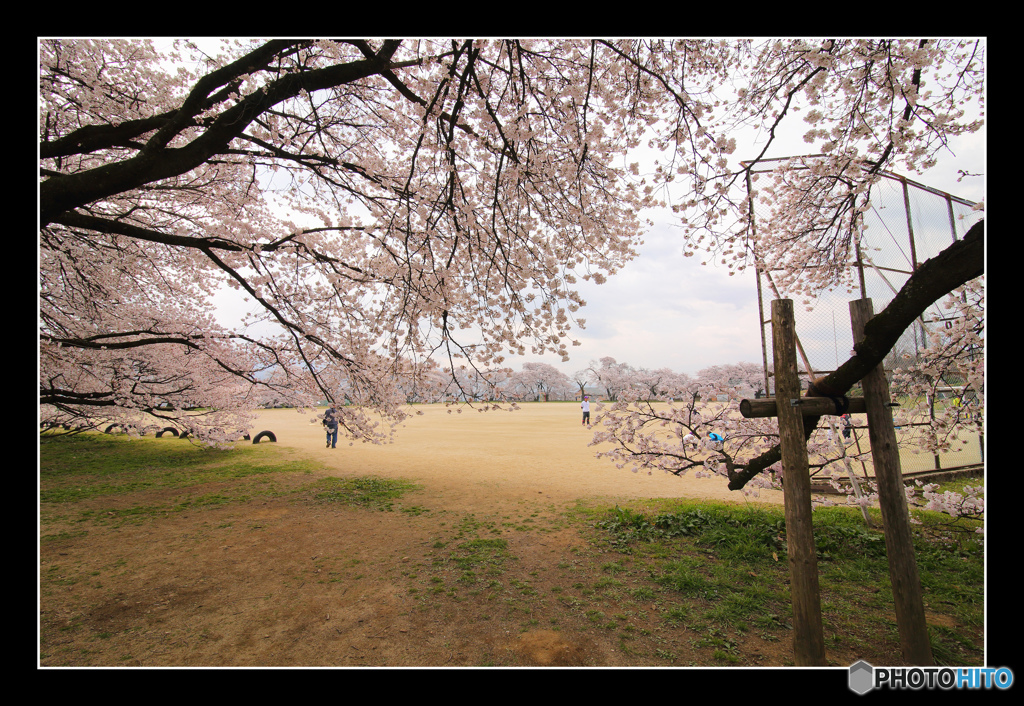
(958, 264)
(66, 192)
(118, 345)
(76, 219)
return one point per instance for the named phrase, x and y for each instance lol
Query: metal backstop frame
(907, 223)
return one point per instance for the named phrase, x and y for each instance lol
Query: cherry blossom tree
(539, 381)
(671, 431)
(580, 379)
(610, 375)
(378, 202)
(734, 379)
(673, 436)
(382, 203)
(657, 383)
(944, 384)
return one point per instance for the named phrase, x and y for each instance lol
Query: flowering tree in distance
(382, 203)
(539, 381)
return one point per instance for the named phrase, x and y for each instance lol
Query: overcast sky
(664, 310)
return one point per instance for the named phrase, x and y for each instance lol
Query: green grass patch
(725, 567)
(473, 560)
(484, 554)
(84, 466)
(369, 491)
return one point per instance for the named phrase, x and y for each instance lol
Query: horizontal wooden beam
(808, 406)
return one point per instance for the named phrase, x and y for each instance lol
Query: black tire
(110, 429)
(267, 434)
(172, 430)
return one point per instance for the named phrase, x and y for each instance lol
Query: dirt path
(478, 567)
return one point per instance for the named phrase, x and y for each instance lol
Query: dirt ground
(280, 582)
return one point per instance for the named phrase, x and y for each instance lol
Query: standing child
(586, 410)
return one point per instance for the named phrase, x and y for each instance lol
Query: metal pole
(760, 295)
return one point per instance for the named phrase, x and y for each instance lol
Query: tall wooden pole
(808, 639)
(899, 543)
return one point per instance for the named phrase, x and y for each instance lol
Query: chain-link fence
(907, 223)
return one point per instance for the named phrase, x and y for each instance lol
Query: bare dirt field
(478, 461)
(475, 567)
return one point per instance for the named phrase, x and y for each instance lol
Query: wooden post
(808, 639)
(899, 544)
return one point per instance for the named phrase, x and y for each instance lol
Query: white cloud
(667, 310)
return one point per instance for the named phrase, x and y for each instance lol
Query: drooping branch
(958, 264)
(101, 343)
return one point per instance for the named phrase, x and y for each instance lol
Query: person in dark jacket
(331, 426)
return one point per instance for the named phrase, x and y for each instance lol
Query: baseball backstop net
(907, 223)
